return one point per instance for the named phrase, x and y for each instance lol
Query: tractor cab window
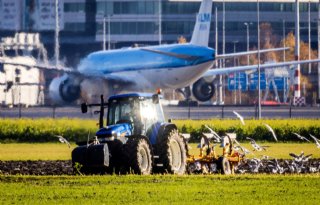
(121, 111)
(149, 115)
(159, 111)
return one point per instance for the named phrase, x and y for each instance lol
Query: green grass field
(58, 151)
(161, 189)
(35, 151)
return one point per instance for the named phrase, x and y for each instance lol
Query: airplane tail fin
(201, 29)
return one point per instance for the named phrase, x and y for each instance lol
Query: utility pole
(160, 22)
(309, 35)
(235, 74)
(248, 42)
(319, 51)
(104, 34)
(259, 72)
(56, 48)
(219, 101)
(216, 33)
(109, 33)
(284, 38)
(223, 40)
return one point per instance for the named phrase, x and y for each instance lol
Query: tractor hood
(117, 130)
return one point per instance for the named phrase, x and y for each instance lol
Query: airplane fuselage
(153, 70)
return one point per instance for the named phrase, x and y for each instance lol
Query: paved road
(173, 112)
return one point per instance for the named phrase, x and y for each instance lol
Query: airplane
(147, 68)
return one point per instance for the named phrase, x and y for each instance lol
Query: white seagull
(301, 157)
(271, 130)
(215, 135)
(240, 117)
(255, 146)
(301, 137)
(317, 141)
(243, 149)
(63, 140)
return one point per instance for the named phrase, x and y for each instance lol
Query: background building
(147, 22)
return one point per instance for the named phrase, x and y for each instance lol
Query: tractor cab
(140, 111)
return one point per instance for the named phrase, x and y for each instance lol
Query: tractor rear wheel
(223, 166)
(171, 149)
(138, 154)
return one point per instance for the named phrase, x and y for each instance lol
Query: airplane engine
(203, 89)
(64, 89)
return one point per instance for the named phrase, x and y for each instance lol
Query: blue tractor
(136, 139)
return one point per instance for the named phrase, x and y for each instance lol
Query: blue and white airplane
(149, 68)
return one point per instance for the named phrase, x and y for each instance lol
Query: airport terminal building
(83, 24)
(148, 21)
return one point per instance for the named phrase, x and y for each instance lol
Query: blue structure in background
(251, 82)
(233, 81)
(281, 82)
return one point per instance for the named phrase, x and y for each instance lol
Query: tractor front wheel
(138, 155)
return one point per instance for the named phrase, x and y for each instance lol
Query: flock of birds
(299, 164)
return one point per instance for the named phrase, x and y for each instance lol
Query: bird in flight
(255, 146)
(63, 140)
(214, 134)
(272, 131)
(240, 117)
(301, 137)
(239, 147)
(317, 141)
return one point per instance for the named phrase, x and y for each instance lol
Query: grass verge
(161, 189)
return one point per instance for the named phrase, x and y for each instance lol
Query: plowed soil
(64, 167)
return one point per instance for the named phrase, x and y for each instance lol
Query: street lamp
(234, 64)
(57, 29)
(234, 50)
(284, 38)
(160, 22)
(109, 32)
(248, 40)
(259, 72)
(104, 34)
(309, 36)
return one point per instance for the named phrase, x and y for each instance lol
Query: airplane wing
(221, 71)
(232, 55)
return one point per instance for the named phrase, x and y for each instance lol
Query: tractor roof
(128, 95)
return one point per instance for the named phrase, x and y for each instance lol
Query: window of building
(105, 8)
(139, 7)
(74, 7)
(74, 27)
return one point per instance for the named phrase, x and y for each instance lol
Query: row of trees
(269, 40)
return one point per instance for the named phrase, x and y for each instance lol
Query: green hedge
(44, 130)
(255, 129)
